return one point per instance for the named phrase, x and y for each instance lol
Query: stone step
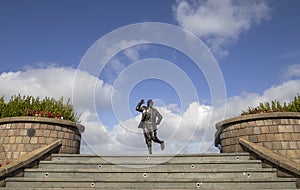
(113, 188)
(192, 171)
(141, 173)
(116, 159)
(152, 183)
(246, 164)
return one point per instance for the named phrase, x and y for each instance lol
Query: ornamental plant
(30, 106)
(275, 106)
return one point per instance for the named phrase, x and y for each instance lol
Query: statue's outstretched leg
(148, 141)
(155, 139)
(162, 145)
(150, 149)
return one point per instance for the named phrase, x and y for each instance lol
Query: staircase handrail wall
(277, 160)
(31, 159)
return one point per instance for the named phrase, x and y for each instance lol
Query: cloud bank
(182, 131)
(220, 23)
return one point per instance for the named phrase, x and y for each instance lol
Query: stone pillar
(20, 135)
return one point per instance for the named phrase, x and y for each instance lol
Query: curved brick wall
(278, 131)
(20, 135)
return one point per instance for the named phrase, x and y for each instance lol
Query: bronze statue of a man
(150, 119)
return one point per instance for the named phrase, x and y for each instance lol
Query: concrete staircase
(193, 171)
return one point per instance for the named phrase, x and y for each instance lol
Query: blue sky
(255, 44)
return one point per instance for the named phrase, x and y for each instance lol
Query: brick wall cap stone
(57, 121)
(260, 116)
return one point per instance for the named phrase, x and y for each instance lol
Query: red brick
(277, 145)
(260, 122)
(252, 123)
(53, 134)
(14, 126)
(270, 137)
(13, 147)
(292, 121)
(293, 145)
(36, 125)
(26, 140)
(278, 137)
(285, 129)
(273, 129)
(276, 121)
(51, 127)
(10, 133)
(237, 148)
(256, 130)
(28, 125)
(12, 140)
(23, 132)
(67, 135)
(21, 125)
(240, 132)
(286, 136)
(20, 147)
(33, 140)
(60, 135)
(46, 133)
(253, 138)
(265, 130)
(39, 133)
(8, 155)
(261, 138)
(16, 132)
(296, 128)
(285, 145)
(42, 140)
(4, 133)
(268, 122)
(284, 121)
(248, 131)
(58, 128)
(295, 136)
(19, 139)
(15, 155)
(43, 126)
(49, 140)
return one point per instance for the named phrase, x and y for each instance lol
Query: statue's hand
(142, 101)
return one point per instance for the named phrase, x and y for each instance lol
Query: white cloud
(56, 82)
(130, 51)
(220, 22)
(189, 132)
(293, 71)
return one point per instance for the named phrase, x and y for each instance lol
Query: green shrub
(275, 106)
(29, 106)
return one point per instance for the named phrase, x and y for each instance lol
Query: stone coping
(258, 116)
(29, 158)
(272, 157)
(33, 119)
